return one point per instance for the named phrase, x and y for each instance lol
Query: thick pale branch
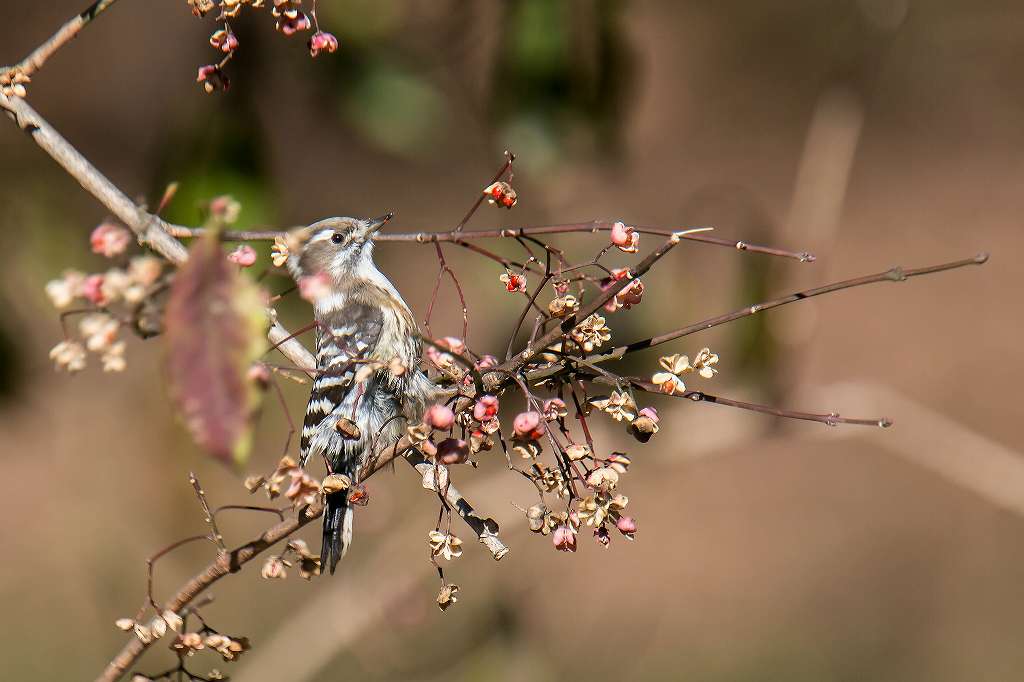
(148, 228)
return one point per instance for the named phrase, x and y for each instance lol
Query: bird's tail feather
(338, 519)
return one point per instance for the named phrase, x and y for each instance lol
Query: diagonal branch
(830, 419)
(224, 564)
(894, 274)
(150, 230)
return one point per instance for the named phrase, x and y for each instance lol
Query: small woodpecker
(359, 316)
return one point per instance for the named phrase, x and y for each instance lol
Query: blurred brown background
(871, 132)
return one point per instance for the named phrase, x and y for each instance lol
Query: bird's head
(338, 247)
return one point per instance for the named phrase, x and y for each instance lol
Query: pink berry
(109, 239)
(244, 256)
(485, 408)
(564, 539)
(621, 234)
(322, 42)
(92, 289)
(626, 526)
(529, 425)
(440, 417)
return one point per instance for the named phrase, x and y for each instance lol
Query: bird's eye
(337, 238)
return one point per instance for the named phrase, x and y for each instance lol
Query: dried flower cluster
(301, 488)
(289, 19)
(106, 302)
(184, 643)
(677, 366)
(296, 553)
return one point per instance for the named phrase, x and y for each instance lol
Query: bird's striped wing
(343, 337)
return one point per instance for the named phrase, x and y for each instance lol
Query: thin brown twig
(445, 268)
(509, 158)
(590, 227)
(210, 517)
(526, 310)
(151, 563)
(251, 507)
(831, 419)
(894, 274)
(287, 414)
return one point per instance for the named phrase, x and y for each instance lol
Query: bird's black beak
(377, 223)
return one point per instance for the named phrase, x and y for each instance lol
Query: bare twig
(509, 159)
(590, 227)
(895, 274)
(445, 268)
(34, 61)
(831, 419)
(209, 516)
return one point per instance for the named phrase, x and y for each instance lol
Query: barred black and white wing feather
(345, 337)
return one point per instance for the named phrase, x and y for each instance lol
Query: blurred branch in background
(941, 444)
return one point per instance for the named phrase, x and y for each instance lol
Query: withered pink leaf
(215, 323)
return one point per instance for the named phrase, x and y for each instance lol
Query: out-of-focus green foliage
(560, 78)
(395, 109)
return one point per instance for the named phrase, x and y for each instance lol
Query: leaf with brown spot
(215, 325)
